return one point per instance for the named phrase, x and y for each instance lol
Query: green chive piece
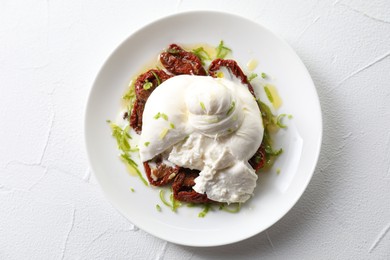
(164, 116)
(263, 75)
(202, 106)
(146, 144)
(290, 116)
(158, 208)
(130, 163)
(172, 125)
(173, 51)
(157, 116)
(222, 50)
(157, 78)
(205, 210)
(232, 106)
(201, 54)
(252, 76)
(278, 171)
(279, 121)
(164, 133)
(231, 208)
(269, 95)
(147, 85)
(132, 190)
(162, 198)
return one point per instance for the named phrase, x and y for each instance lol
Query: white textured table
(51, 206)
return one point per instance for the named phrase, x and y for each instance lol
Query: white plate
(275, 193)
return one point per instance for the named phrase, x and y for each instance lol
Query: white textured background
(51, 205)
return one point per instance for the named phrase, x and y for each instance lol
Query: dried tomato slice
(162, 174)
(234, 69)
(152, 78)
(182, 187)
(178, 61)
(258, 159)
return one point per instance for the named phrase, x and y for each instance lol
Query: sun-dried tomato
(233, 67)
(258, 159)
(144, 86)
(162, 174)
(178, 61)
(182, 187)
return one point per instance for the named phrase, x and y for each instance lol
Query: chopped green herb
(162, 197)
(158, 115)
(232, 106)
(121, 136)
(164, 133)
(130, 163)
(164, 116)
(290, 116)
(173, 51)
(270, 122)
(202, 105)
(252, 76)
(146, 144)
(206, 209)
(157, 78)
(263, 75)
(222, 50)
(231, 208)
(175, 203)
(202, 54)
(172, 125)
(132, 190)
(269, 95)
(147, 85)
(158, 208)
(279, 121)
(278, 171)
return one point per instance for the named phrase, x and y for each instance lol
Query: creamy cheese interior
(209, 124)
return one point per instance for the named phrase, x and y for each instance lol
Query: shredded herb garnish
(146, 144)
(269, 95)
(270, 122)
(174, 203)
(132, 190)
(164, 133)
(164, 116)
(279, 121)
(158, 208)
(172, 125)
(173, 51)
(231, 109)
(231, 208)
(147, 85)
(133, 165)
(121, 136)
(263, 75)
(222, 50)
(157, 78)
(202, 105)
(202, 54)
(206, 209)
(252, 76)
